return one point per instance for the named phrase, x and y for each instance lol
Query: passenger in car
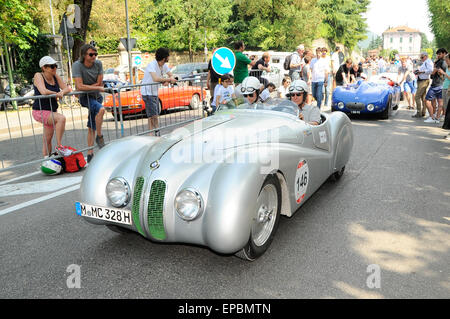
(298, 91)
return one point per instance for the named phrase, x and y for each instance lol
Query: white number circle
(301, 181)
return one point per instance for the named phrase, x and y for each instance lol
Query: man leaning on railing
(88, 76)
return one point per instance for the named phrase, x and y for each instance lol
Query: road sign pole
(130, 67)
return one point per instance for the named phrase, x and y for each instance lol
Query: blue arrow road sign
(137, 60)
(223, 61)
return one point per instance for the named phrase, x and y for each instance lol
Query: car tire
(336, 176)
(385, 114)
(119, 230)
(264, 225)
(195, 102)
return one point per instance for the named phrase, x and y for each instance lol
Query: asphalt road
(390, 211)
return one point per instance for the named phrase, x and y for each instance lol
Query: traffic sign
(223, 61)
(137, 60)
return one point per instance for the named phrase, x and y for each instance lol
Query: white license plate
(109, 214)
(356, 112)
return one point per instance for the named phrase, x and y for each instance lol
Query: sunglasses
(296, 94)
(250, 89)
(52, 66)
(93, 54)
(292, 88)
(248, 95)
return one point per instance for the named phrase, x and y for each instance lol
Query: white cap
(301, 47)
(47, 60)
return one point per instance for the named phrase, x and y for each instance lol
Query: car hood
(231, 130)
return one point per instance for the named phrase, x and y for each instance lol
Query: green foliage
(440, 21)
(392, 54)
(28, 59)
(16, 23)
(106, 45)
(375, 43)
(344, 21)
(271, 24)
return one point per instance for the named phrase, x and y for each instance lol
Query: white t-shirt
(225, 93)
(153, 67)
(282, 91)
(265, 94)
(318, 71)
(335, 59)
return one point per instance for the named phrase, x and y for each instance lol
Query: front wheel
(385, 114)
(265, 220)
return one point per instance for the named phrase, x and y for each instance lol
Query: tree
(440, 21)
(85, 8)
(180, 24)
(16, 27)
(343, 20)
(270, 24)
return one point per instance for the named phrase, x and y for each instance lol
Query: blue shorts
(94, 105)
(151, 105)
(434, 92)
(409, 87)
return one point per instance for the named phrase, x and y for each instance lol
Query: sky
(385, 13)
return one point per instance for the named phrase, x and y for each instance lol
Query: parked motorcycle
(25, 91)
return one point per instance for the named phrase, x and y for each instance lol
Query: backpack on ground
(73, 163)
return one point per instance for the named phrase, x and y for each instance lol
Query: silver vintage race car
(222, 181)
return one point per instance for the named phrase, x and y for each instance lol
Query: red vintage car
(169, 97)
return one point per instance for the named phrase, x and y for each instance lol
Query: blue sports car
(379, 96)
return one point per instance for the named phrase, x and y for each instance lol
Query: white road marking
(40, 199)
(20, 177)
(42, 186)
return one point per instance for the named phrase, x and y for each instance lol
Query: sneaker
(89, 157)
(63, 151)
(417, 115)
(431, 120)
(157, 133)
(100, 141)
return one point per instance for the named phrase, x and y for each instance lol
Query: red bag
(73, 163)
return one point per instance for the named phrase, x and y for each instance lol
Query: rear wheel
(195, 102)
(265, 220)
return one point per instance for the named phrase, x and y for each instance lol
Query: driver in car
(251, 89)
(297, 92)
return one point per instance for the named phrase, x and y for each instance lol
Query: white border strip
(39, 199)
(20, 177)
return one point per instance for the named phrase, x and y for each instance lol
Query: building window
(410, 39)
(401, 39)
(392, 39)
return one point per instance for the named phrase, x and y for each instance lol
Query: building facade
(405, 40)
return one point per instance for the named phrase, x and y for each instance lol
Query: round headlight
(118, 192)
(370, 107)
(188, 204)
(341, 105)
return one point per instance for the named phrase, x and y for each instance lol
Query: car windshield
(278, 105)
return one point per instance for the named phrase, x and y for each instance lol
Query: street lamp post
(130, 67)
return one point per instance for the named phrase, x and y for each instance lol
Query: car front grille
(136, 204)
(355, 106)
(156, 209)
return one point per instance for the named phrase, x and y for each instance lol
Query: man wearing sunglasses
(297, 94)
(88, 76)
